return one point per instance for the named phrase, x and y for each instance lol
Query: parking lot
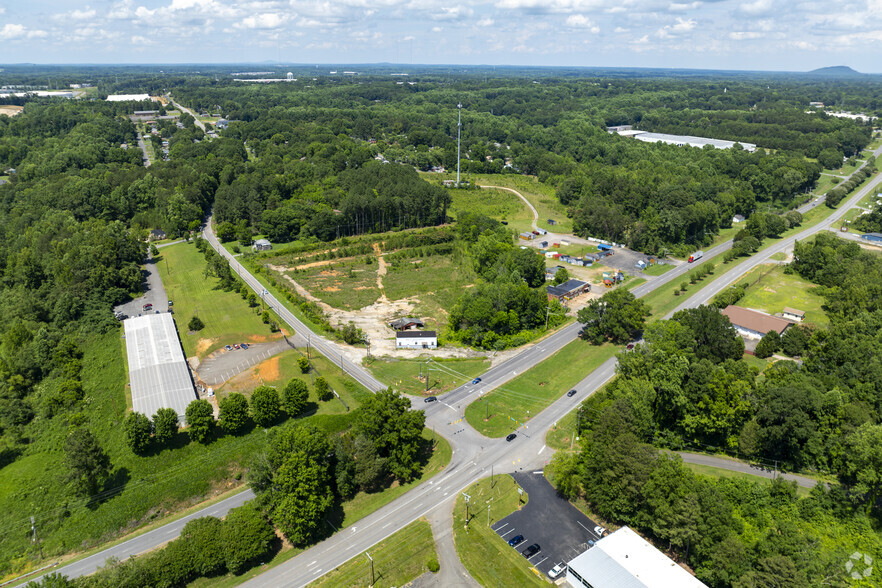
(559, 528)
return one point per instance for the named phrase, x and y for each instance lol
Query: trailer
(603, 247)
(696, 256)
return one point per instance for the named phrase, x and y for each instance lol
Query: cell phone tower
(458, 133)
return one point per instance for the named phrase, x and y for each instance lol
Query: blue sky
(718, 34)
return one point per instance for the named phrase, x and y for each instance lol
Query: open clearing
(499, 204)
(771, 290)
(10, 109)
(227, 317)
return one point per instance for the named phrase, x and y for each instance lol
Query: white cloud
(682, 6)
(12, 31)
(680, 28)
(745, 35)
(757, 7)
(457, 12)
(437, 29)
(486, 22)
(268, 20)
(621, 30)
(580, 21)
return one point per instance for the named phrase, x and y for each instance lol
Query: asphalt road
(154, 292)
(150, 539)
(745, 468)
(473, 454)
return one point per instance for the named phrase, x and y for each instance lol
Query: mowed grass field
(486, 555)
(541, 196)
(228, 318)
(404, 374)
(398, 559)
(499, 204)
(771, 290)
(513, 404)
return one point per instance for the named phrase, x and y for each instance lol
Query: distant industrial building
(405, 323)
(752, 324)
(874, 237)
(128, 97)
(682, 140)
(624, 559)
(416, 340)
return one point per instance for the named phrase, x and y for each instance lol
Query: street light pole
(372, 566)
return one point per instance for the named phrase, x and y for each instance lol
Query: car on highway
(556, 570)
(531, 551)
(516, 540)
(431, 399)
(476, 381)
(228, 347)
(571, 393)
(511, 437)
(244, 345)
(600, 531)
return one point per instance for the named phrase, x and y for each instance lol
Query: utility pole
(427, 374)
(487, 404)
(34, 536)
(576, 430)
(372, 566)
(488, 511)
(368, 343)
(467, 497)
(458, 134)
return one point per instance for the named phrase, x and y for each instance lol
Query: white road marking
(539, 562)
(501, 527)
(312, 564)
(507, 532)
(540, 451)
(386, 525)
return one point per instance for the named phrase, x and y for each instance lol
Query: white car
(556, 571)
(600, 531)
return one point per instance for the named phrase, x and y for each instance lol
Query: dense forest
(687, 387)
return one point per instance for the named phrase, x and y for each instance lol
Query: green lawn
(398, 559)
(498, 204)
(662, 300)
(713, 472)
(825, 184)
(754, 361)
(771, 290)
(227, 317)
(658, 269)
(486, 555)
(512, 405)
(541, 196)
(404, 374)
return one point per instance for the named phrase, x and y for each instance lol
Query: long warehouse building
(158, 371)
(681, 140)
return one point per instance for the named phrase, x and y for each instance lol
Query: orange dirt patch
(364, 288)
(329, 273)
(203, 344)
(269, 370)
(258, 338)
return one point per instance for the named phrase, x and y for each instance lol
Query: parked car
(235, 346)
(511, 437)
(228, 347)
(476, 381)
(629, 346)
(531, 551)
(170, 303)
(600, 531)
(430, 399)
(516, 540)
(556, 570)
(571, 393)
(244, 345)
(147, 307)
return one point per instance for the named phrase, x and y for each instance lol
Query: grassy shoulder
(408, 375)
(508, 407)
(658, 269)
(771, 290)
(486, 556)
(397, 560)
(227, 317)
(354, 510)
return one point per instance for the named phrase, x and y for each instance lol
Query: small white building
(624, 559)
(416, 340)
(262, 245)
(792, 314)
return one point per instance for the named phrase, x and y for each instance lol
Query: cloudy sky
(793, 35)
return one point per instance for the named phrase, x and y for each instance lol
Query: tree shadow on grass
(113, 486)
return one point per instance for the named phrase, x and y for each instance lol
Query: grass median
(486, 555)
(506, 408)
(408, 375)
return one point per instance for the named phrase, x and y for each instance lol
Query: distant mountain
(836, 71)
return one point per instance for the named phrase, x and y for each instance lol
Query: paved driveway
(222, 365)
(560, 529)
(154, 292)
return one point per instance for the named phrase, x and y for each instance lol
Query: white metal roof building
(158, 372)
(128, 97)
(681, 140)
(624, 559)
